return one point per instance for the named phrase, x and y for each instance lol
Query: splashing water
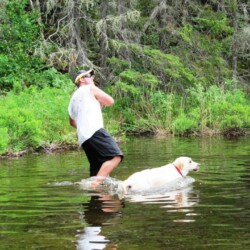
(62, 184)
(112, 186)
(108, 185)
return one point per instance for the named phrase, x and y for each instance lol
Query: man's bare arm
(102, 97)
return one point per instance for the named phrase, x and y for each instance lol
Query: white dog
(158, 177)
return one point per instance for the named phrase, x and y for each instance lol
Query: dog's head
(186, 164)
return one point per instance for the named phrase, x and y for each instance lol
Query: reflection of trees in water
(101, 210)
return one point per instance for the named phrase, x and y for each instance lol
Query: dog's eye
(190, 161)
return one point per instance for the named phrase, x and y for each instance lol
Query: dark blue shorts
(99, 148)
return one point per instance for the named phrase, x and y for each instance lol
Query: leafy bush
(4, 139)
(184, 124)
(21, 33)
(217, 108)
(34, 118)
(214, 109)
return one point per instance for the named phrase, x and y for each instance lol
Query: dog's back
(150, 178)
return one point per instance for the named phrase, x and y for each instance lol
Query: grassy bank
(35, 119)
(197, 111)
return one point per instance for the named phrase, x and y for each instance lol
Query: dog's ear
(179, 163)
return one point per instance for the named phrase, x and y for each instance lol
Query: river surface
(43, 207)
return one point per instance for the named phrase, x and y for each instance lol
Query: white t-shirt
(86, 111)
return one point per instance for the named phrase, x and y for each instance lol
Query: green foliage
(20, 33)
(184, 124)
(202, 110)
(215, 24)
(31, 118)
(234, 109)
(151, 37)
(219, 109)
(52, 78)
(34, 118)
(169, 68)
(186, 33)
(117, 64)
(4, 139)
(134, 84)
(172, 66)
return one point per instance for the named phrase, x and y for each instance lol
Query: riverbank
(60, 148)
(34, 120)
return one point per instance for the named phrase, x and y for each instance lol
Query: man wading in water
(85, 115)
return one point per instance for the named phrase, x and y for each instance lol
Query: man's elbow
(110, 102)
(72, 122)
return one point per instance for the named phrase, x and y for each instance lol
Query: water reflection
(105, 204)
(175, 201)
(101, 210)
(41, 207)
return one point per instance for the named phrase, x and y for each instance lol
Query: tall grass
(210, 111)
(33, 118)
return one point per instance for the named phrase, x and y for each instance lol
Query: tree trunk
(234, 7)
(39, 19)
(121, 10)
(103, 38)
(77, 54)
(162, 20)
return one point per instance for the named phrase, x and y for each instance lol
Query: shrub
(184, 124)
(34, 118)
(4, 139)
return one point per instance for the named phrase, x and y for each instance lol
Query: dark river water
(42, 207)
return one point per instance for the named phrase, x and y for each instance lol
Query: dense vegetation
(174, 67)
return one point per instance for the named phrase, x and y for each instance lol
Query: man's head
(82, 74)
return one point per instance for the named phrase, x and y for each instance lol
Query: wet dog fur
(158, 177)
